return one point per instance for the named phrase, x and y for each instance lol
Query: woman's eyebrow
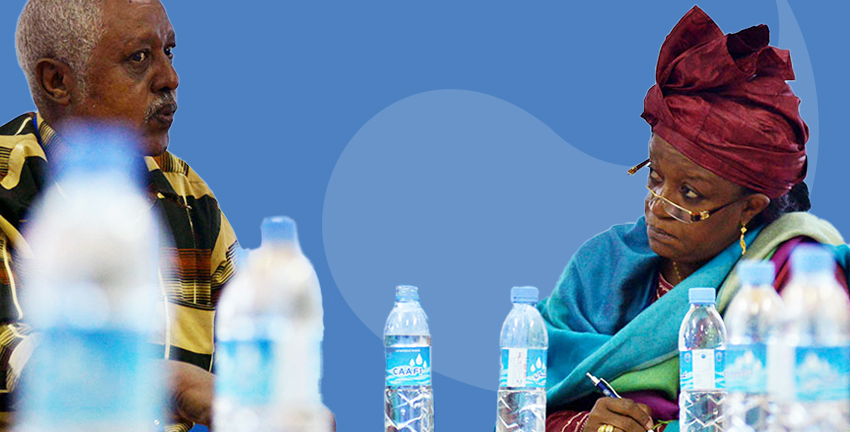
(698, 176)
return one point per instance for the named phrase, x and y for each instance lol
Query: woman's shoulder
(802, 228)
(629, 236)
(791, 226)
(797, 224)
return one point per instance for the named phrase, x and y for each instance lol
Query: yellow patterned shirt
(199, 259)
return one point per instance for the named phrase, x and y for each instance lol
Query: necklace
(676, 269)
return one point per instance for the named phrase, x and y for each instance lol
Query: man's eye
(139, 57)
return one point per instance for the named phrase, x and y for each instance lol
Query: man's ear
(55, 80)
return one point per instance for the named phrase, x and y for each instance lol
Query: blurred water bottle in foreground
(702, 341)
(811, 375)
(751, 319)
(522, 384)
(90, 292)
(409, 404)
(269, 330)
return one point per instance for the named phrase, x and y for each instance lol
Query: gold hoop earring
(743, 243)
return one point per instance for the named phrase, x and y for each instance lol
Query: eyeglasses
(676, 211)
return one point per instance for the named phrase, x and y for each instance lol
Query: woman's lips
(659, 234)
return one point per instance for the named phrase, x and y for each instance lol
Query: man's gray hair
(65, 30)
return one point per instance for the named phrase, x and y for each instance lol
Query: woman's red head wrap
(723, 102)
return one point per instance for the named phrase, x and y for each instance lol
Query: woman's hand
(623, 414)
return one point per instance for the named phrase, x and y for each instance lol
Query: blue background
(465, 147)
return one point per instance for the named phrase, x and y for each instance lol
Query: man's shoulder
(168, 163)
(21, 148)
(21, 125)
(179, 174)
(21, 131)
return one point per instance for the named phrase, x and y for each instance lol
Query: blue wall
(462, 146)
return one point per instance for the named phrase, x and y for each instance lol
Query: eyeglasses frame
(693, 217)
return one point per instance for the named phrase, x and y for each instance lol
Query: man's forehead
(123, 7)
(139, 2)
(130, 17)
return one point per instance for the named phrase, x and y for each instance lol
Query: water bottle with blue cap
(521, 405)
(408, 399)
(269, 330)
(702, 345)
(812, 383)
(752, 320)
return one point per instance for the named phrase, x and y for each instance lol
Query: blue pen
(606, 388)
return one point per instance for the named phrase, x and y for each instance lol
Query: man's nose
(166, 78)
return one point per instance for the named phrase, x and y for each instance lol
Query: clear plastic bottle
(522, 384)
(269, 331)
(91, 293)
(812, 384)
(751, 320)
(408, 400)
(702, 344)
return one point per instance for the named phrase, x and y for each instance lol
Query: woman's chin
(662, 248)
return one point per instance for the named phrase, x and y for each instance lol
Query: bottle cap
(810, 259)
(754, 272)
(98, 150)
(526, 294)
(240, 257)
(701, 295)
(406, 293)
(279, 229)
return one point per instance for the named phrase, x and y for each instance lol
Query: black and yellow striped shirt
(200, 258)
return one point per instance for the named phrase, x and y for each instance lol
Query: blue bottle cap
(754, 272)
(406, 293)
(811, 259)
(98, 150)
(526, 294)
(240, 257)
(279, 229)
(701, 295)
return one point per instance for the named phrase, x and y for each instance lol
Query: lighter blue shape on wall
(464, 195)
(791, 38)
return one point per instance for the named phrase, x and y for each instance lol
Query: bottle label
(746, 368)
(780, 372)
(408, 366)
(245, 370)
(523, 368)
(103, 375)
(701, 369)
(822, 373)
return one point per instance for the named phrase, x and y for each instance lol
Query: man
(111, 61)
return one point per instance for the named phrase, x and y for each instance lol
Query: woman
(725, 170)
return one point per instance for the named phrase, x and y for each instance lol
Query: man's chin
(155, 147)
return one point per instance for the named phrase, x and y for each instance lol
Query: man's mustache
(167, 101)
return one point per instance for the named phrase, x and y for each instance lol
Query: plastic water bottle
(91, 293)
(522, 384)
(751, 320)
(408, 400)
(268, 355)
(812, 384)
(702, 344)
